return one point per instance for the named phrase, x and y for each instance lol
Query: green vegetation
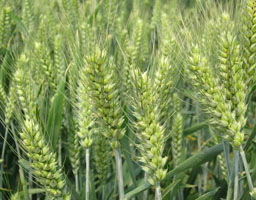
(131, 99)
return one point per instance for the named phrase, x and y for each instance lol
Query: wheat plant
(139, 100)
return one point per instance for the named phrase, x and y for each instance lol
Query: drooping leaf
(170, 187)
(142, 187)
(252, 135)
(4, 190)
(127, 154)
(195, 160)
(36, 190)
(5, 71)
(195, 128)
(250, 93)
(25, 164)
(208, 195)
(55, 115)
(20, 26)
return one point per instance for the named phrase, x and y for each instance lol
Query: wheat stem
(158, 194)
(2, 158)
(180, 194)
(246, 168)
(103, 192)
(76, 182)
(30, 179)
(87, 182)
(21, 172)
(236, 175)
(145, 193)
(119, 173)
(227, 161)
(227, 158)
(59, 152)
(230, 190)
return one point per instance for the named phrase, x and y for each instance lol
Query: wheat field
(127, 99)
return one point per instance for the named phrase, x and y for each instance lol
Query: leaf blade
(195, 160)
(55, 115)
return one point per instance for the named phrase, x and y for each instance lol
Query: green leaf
(5, 71)
(252, 135)
(4, 190)
(72, 189)
(195, 128)
(142, 187)
(36, 190)
(20, 26)
(25, 164)
(250, 93)
(188, 93)
(95, 12)
(127, 155)
(55, 115)
(92, 186)
(195, 160)
(168, 189)
(208, 195)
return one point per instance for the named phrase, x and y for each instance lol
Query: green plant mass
(127, 99)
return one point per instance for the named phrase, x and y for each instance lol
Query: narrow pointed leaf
(55, 116)
(195, 160)
(208, 195)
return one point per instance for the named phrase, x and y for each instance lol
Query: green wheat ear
(84, 112)
(5, 26)
(20, 84)
(232, 76)
(69, 11)
(249, 35)
(74, 149)
(134, 48)
(103, 87)
(176, 132)
(45, 64)
(43, 161)
(27, 14)
(104, 92)
(166, 39)
(10, 106)
(164, 86)
(3, 96)
(149, 131)
(211, 95)
(156, 13)
(59, 57)
(101, 157)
